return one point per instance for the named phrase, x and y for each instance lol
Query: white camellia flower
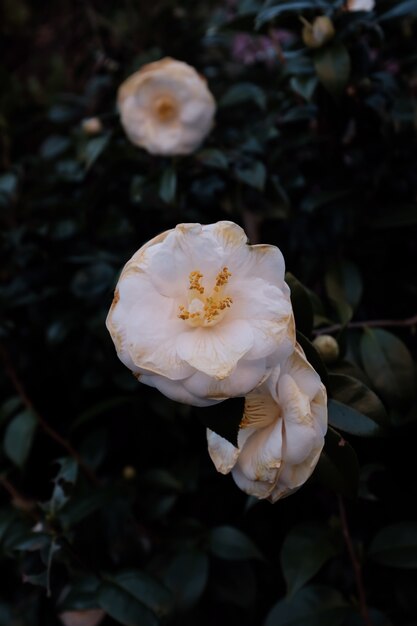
(281, 434)
(361, 5)
(166, 108)
(201, 315)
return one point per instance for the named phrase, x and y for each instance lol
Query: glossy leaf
(389, 366)
(354, 408)
(230, 543)
(168, 185)
(306, 548)
(396, 546)
(338, 466)
(187, 577)
(301, 303)
(311, 606)
(344, 288)
(18, 437)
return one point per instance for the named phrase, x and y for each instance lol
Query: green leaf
(252, 174)
(231, 544)
(332, 65)
(9, 407)
(145, 589)
(305, 86)
(305, 550)
(313, 357)
(354, 408)
(94, 148)
(187, 577)
(301, 304)
(223, 418)
(283, 7)
(19, 436)
(338, 467)
(389, 366)
(396, 546)
(409, 7)
(168, 185)
(211, 157)
(123, 607)
(344, 288)
(244, 92)
(53, 146)
(311, 606)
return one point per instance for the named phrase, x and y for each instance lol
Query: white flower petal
(215, 350)
(223, 454)
(174, 389)
(261, 455)
(245, 377)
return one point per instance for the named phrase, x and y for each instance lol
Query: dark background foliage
(109, 501)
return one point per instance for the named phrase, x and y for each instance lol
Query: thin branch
(409, 321)
(42, 422)
(357, 570)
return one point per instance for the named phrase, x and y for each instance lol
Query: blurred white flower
(281, 435)
(87, 617)
(201, 315)
(166, 108)
(361, 5)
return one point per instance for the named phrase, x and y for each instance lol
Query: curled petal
(223, 454)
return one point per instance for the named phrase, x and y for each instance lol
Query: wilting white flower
(166, 107)
(201, 315)
(360, 5)
(281, 435)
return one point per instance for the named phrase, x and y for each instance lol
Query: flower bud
(318, 33)
(92, 126)
(327, 347)
(129, 472)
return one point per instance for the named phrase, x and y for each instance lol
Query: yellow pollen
(206, 311)
(195, 281)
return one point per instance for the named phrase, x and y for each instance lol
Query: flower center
(165, 108)
(206, 310)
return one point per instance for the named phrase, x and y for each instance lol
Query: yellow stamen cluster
(213, 305)
(222, 278)
(195, 281)
(165, 108)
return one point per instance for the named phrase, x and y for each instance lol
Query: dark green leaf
(389, 366)
(243, 92)
(305, 550)
(19, 436)
(230, 543)
(344, 288)
(401, 9)
(311, 606)
(123, 607)
(396, 546)
(145, 589)
(355, 408)
(305, 86)
(338, 466)
(301, 303)
(187, 577)
(213, 158)
(168, 185)
(333, 67)
(252, 174)
(283, 7)
(94, 148)
(53, 146)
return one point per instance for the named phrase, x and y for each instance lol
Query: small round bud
(327, 347)
(129, 472)
(318, 33)
(92, 126)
